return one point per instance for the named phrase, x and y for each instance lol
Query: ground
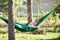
(23, 36)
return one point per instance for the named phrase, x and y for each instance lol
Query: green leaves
(18, 3)
(4, 4)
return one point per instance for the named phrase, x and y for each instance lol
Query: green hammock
(20, 27)
(26, 28)
(44, 18)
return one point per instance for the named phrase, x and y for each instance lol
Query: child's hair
(37, 20)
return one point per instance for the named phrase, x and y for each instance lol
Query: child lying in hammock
(32, 24)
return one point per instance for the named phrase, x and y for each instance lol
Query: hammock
(26, 28)
(20, 27)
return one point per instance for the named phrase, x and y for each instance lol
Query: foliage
(3, 15)
(17, 3)
(4, 4)
(56, 19)
(20, 5)
(58, 9)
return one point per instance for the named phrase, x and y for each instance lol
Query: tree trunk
(11, 35)
(29, 11)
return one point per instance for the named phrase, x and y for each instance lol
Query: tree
(29, 11)
(11, 35)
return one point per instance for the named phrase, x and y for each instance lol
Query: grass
(3, 30)
(23, 36)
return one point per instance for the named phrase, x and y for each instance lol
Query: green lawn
(22, 36)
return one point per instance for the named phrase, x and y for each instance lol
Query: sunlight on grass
(34, 37)
(3, 37)
(22, 36)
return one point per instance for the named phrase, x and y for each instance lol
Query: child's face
(35, 23)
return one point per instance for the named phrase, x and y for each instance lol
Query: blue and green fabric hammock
(20, 27)
(26, 28)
